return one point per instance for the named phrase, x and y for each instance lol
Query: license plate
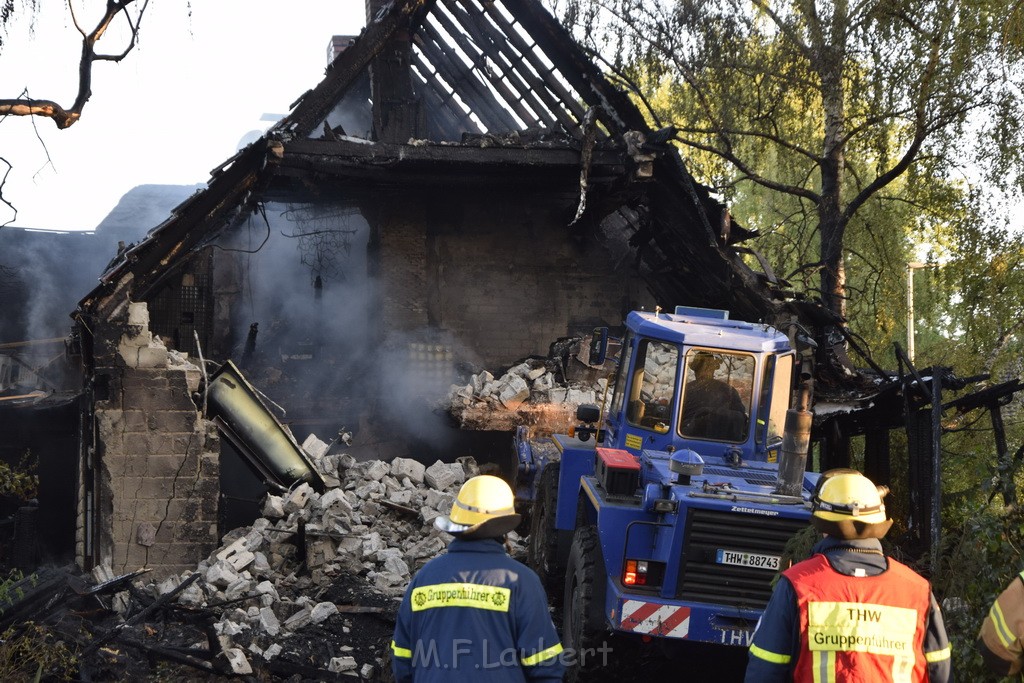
(747, 559)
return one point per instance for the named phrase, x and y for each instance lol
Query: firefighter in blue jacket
(475, 614)
(849, 613)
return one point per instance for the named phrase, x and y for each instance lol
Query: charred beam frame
(471, 164)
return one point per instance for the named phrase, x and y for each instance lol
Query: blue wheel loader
(663, 515)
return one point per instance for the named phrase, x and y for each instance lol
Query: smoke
(37, 285)
(415, 371)
(299, 282)
(46, 273)
(323, 343)
(353, 114)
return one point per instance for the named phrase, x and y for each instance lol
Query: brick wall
(403, 270)
(502, 277)
(158, 464)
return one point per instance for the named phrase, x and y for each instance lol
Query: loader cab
(712, 385)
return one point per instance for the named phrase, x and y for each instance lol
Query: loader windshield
(653, 386)
(716, 396)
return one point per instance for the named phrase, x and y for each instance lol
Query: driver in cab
(712, 409)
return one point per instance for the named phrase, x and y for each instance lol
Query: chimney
(338, 45)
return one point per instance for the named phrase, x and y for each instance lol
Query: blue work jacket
(475, 614)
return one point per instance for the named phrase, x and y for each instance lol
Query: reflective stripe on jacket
(868, 628)
(1002, 631)
(475, 614)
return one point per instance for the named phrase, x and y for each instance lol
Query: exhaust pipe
(796, 440)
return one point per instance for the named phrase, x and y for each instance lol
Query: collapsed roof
(478, 91)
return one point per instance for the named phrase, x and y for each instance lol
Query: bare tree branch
(66, 117)
(778, 140)
(3, 181)
(625, 80)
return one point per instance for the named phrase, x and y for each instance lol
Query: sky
(204, 74)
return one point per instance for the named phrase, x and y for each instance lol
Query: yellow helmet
(848, 505)
(484, 508)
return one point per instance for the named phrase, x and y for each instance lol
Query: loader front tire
(545, 553)
(584, 630)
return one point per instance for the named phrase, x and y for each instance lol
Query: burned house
(463, 187)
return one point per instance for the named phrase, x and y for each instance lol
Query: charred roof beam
(189, 226)
(452, 121)
(316, 104)
(527, 81)
(476, 55)
(492, 113)
(571, 70)
(342, 157)
(495, 46)
(395, 108)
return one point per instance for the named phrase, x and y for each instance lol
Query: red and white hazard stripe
(655, 619)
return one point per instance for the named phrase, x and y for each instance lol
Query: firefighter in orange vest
(849, 613)
(1001, 640)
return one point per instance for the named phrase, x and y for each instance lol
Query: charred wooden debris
(311, 587)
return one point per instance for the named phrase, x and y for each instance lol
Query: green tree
(842, 111)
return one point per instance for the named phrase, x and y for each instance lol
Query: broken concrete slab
(314, 447)
(297, 498)
(340, 664)
(221, 574)
(347, 531)
(439, 476)
(514, 392)
(237, 554)
(273, 507)
(269, 622)
(377, 470)
(322, 611)
(237, 661)
(405, 467)
(298, 619)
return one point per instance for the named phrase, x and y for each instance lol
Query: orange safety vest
(867, 628)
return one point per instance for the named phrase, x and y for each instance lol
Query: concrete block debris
(376, 525)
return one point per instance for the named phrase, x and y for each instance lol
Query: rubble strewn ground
(307, 592)
(314, 562)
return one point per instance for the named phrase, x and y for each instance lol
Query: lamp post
(911, 267)
(932, 526)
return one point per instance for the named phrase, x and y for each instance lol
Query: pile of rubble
(268, 582)
(529, 381)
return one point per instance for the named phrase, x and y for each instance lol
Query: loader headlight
(656, 499)
(664, 505)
